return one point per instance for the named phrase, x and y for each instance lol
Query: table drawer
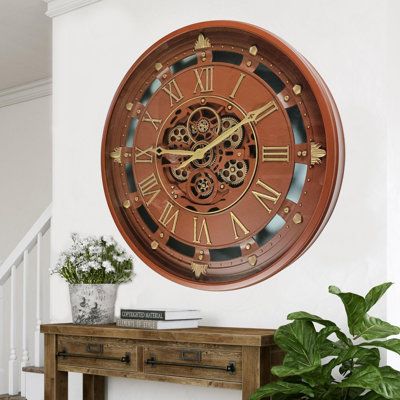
(118, 354)
(216, 363)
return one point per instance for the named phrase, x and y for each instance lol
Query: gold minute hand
(252, 116)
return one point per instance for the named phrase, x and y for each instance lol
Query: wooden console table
(234, 358)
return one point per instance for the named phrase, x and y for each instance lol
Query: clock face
(222, 155)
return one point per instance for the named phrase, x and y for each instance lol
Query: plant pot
(93, 304)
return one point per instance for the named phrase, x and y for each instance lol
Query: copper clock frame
(304, 88)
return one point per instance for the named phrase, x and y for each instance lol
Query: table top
(202, 334)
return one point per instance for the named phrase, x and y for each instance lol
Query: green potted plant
(94, 267)
(323, 363)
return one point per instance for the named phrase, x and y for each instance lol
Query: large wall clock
(222, 155)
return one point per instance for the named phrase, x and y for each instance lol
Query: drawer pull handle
(231, 368)
(126, 359)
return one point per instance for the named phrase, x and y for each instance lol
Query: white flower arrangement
(94, 260)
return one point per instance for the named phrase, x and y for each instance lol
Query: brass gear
(203, 123)
(180, 175)
(234, 140)
(178, 136)
(234, 172)
(204, 186)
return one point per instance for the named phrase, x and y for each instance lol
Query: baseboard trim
(3, 383)
(27, 92)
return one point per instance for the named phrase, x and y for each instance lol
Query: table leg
(93, 387)
(255, 367)
(55, 382)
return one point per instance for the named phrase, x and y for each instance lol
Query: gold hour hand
(160, 151)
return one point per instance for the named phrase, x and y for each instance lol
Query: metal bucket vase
(93, 304)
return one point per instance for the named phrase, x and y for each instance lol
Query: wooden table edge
(235, 337)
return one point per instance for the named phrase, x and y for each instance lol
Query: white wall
(25, 192)
(94, 47)
(393, 168)
(25, 168)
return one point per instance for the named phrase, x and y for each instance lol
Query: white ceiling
(25, 42)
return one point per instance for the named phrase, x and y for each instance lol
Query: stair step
(8, 397)
(35, 370)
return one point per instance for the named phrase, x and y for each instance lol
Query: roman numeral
(236, 223)
(235, 89)
(269, 195)
(275, 153)
(172, 89)
(149, 187)
(155, 122)
(269, 109)
(204, 79)
(144, 156)
(199, 232)
(168, 216)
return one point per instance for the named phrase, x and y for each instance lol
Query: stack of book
(159, 319)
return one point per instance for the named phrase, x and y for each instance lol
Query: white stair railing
(8, 272)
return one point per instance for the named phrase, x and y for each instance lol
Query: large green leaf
(356, 355)
(384, 381)
(303, 315)
(390, 344)
(329, 327)
(299, 340)
(389, 387)
(281, 388)
(371, 328)
(360, 323)
(354, 305)
(367, 377)
(370, 396)
(375, 294)
(284, 371)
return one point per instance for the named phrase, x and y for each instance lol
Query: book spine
(143, 314)
(131, 323)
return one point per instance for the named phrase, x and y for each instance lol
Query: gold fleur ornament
(202, 42)
(199, 269)
(116, 155)
(317, 153)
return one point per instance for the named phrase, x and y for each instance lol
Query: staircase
(24, 304)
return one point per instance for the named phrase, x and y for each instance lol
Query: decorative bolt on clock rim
(297, 218)
(297, 89)
(253, 50)
(252, 260)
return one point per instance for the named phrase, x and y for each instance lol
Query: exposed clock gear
(180, 175)
(236, 138)
(209, 157)
(178, 136)
(203, 123)
(202, 186)
(234, 172)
